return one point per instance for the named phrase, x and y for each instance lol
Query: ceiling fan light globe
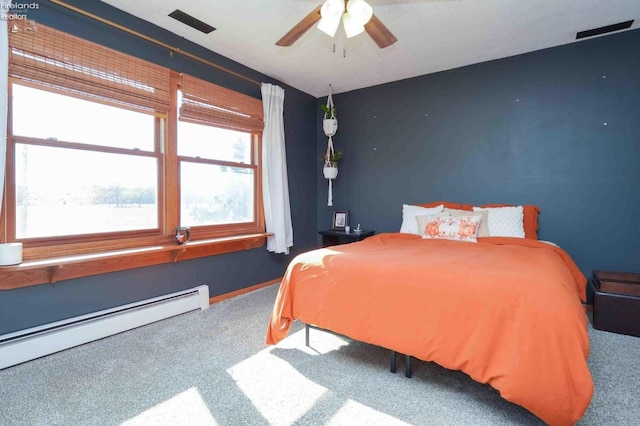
(351, 27)
(332, 8)
(329, 25)
(330, 12)
(360, 11)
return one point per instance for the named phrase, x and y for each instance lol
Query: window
(94, 155)
(74, 173)
(217, 175)
(218, 152)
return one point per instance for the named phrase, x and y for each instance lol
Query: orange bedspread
(505, 311)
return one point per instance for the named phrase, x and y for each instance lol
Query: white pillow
(409, 213)
(505, 221)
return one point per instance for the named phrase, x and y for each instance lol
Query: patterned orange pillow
(462, 228)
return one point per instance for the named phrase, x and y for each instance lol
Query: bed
(506, 311)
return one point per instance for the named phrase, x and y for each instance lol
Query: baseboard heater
(36, 342)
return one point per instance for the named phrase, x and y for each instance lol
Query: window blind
(208, 103)
(67, 63)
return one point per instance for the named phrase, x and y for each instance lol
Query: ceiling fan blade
(300, 28)
(379, 33)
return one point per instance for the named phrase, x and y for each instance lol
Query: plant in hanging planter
(330, 169)
(329, 111)
(330, 120)
(333, 159)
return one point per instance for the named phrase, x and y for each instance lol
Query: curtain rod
(153, 40)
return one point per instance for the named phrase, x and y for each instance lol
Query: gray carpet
(213, 368)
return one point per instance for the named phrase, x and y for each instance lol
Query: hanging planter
(331, 158)
(329, 121)
(330, 169)
(330, 172)
(330, 126)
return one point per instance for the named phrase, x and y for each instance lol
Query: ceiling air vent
(191, 21)
(604, 30)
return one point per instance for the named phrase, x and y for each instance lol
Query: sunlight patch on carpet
(186, 408)
(277, 390)
(352, 413)
(320, 342)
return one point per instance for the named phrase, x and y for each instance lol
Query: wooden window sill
(51, 270)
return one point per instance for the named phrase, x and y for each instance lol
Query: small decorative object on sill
(331, 158)
(10, 254)
(182, 234)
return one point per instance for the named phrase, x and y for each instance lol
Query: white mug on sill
(347, 229)
(10, 253)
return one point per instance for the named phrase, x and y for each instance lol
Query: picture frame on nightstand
(340, 220)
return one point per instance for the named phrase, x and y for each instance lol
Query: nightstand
(616, 302)
(334, 238)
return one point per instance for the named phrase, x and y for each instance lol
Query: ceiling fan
(356, 15)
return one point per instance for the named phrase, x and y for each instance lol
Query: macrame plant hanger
(330, 127)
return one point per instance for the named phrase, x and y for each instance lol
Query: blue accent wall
(32, 306)
(558, 128)
(529, 129)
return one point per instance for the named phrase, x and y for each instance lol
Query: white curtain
(275, 184)
(4, 71)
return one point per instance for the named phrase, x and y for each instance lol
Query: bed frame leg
(393, 362)
(306, 334)
(407, 367)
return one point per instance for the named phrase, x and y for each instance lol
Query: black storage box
(616, 302)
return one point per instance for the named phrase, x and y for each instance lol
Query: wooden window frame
(223, 230)
(43, 247)
(53, 259)
(257, 225)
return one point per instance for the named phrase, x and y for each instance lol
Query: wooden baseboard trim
(232, 294)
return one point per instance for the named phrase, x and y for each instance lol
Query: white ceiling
(433, 35)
